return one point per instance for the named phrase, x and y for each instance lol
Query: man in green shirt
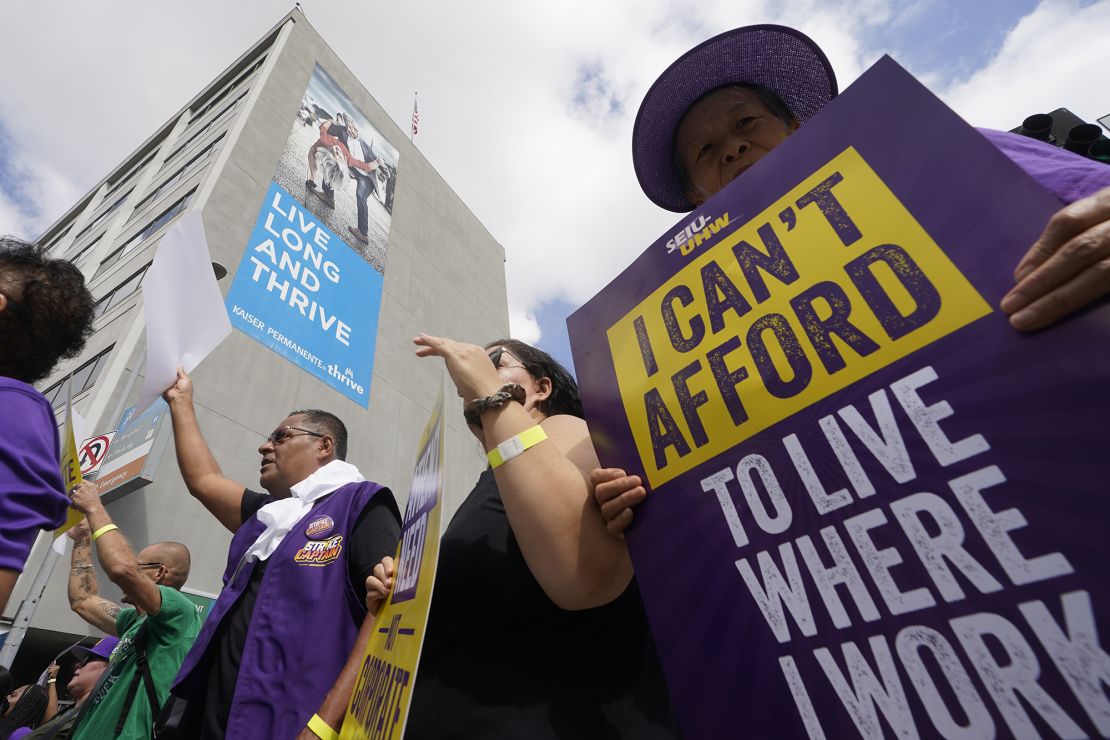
(162, 622)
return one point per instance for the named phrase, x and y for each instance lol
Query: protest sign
(71, 466)
(383, 691)
(874, 508)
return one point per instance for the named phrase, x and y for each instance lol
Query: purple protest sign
(874, 508)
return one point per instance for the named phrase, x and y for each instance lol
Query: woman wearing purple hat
(724, 104)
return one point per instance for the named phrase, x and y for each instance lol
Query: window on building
(105, 213)
(184, 172)
(145, 233)
(53, 242)
(81, 253)
(84, 378)
(229, 88)
(120, 293)
(221, 118)
(128, 178)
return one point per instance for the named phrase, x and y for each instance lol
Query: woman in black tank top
(536, 627)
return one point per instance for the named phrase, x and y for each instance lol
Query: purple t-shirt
(32, 495)
(1068, 176)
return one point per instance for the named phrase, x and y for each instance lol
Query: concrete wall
(444, 275)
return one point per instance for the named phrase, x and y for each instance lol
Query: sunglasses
(150, 565)
(495, 358)
(283, 433)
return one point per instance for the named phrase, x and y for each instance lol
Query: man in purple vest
(46, 313)
(270, 657)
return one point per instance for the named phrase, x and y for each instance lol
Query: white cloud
(550, 178)
(524, 326)
(1055, 57)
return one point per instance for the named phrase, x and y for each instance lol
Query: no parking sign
(93, 451)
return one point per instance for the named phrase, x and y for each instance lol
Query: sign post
(889, 506)
(135, 451)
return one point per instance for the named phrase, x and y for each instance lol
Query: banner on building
(887, 506)
(383, 691)
(310, 283)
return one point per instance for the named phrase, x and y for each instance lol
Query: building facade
(227, 154)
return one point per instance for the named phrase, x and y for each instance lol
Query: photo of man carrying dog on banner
(341, 168)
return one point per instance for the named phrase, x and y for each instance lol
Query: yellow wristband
(103, 530)
(514, 446)
(322, 729)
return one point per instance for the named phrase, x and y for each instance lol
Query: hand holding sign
(379, 584)
(85, 497)
(1068, 267)
(79, 532)
(617, 493)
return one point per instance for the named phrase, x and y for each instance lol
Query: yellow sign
(380, 701)
(829, 284)
(71, 469)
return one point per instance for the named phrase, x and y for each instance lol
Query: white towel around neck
(281, 515)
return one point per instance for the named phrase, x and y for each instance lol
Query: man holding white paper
(297, 566)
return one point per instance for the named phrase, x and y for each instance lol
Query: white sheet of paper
(80, 429)
(61, 545)
(185, 314)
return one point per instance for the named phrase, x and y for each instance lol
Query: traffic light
(1063, 128)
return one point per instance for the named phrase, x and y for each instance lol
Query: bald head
(174, 557)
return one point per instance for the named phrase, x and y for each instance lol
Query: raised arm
(51, 692)
(203, 477)
(116, 556)
(84, 592)
(546, 491)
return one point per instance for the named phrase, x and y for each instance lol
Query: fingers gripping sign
(84, 497)
(379, 584)
(617, 493)
(79, 532)
(1067, 268)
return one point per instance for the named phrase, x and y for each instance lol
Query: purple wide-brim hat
(102, 649)
(776, 57)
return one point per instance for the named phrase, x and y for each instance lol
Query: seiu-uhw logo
(701, 229)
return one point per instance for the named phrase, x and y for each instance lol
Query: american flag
(415, 116)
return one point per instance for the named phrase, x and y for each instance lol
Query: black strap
(142, 673)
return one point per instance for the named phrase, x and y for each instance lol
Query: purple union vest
(303, 625)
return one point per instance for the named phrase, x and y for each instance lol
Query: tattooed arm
(84, 597)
